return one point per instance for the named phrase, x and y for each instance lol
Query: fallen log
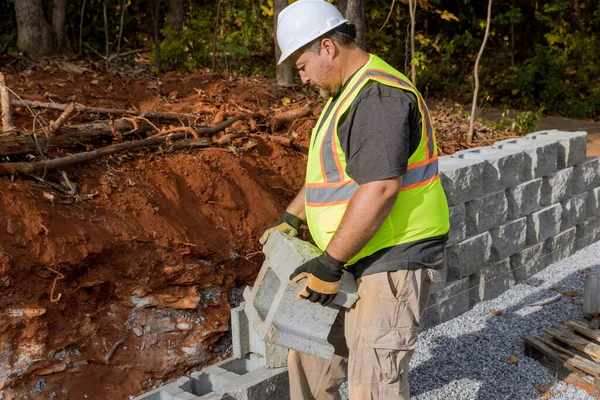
(282, 119)
(61, 162)
(69, 136)
(100, 110)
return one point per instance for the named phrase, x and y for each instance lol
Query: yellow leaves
(447, 16)
(422, 39)
(285, 101)
(516, 91)
(268, 9)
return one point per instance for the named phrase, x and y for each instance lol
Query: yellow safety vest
(421, 210)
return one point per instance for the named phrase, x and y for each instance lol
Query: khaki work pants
(374, 342)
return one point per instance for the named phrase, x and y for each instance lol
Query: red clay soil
(127, 285)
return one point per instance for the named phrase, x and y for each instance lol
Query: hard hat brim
(287, 54)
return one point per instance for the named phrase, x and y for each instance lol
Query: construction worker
(373, 202)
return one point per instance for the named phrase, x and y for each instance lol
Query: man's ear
(329, 47)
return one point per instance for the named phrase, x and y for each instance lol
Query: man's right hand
(288, 224)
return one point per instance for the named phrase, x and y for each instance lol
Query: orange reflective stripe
(419, 184)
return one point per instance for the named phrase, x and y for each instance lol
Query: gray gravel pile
(466, 358)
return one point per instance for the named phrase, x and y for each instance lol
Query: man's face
(318, 71)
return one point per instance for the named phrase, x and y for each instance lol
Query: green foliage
(190, 49)
(524, 122)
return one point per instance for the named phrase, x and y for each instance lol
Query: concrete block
(486, 212)
(593, 203)
(245, 341)
(540, 155)
(560, 246)
(543, 224)
(527, 262)
(241, 379)
(588, 232)
(571, 145)
(574, 210)
(458, 227)
(508, 239)
(503, 168)
(275, 312)
(586, 176)
(178, 390)
(469, 256)
(524, 199)
(462, 179)
(491, 281)
(448, 302)
(557, 187)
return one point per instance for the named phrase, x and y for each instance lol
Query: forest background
(542, 55)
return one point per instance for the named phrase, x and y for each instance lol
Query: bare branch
(476, 74)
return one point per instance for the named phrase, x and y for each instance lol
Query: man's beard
(327, 92)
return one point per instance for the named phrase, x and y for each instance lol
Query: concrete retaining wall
(515, 207)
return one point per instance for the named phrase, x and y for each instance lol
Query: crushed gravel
(466, 358)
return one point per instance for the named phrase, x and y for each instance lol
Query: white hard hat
(302, 22)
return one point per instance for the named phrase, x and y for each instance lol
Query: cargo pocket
(394, 285)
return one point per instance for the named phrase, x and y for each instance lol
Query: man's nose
(303, 77)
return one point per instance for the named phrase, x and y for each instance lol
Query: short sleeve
(376, 134)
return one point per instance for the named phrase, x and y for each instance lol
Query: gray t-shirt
(379, 133)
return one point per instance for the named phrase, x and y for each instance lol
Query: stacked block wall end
(276, 313)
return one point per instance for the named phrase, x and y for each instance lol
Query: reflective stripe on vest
(337, 191)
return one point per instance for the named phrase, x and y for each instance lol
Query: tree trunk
(34, 32)
(59, 25)
(342, 6)
(476, 73)
(175, 15)
(355, 12)
(155, 31)
(412, 6)
(284, 72)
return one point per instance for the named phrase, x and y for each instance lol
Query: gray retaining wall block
(469, 256)
(486, 212)
(491, 281)
(557, 186)
(527, 262)
(450, 301)
(543, 224)
(503, 168)
(275, 312)
(574, 210)
(524, 199)
(586, 175)
(540, 156)
(508, 239)
(246, 341)
(571, 145)
(241, 379)
(462, 179)
(560, 246)
(593, 202)
(458, 227)
(588, 232)
(179, 390)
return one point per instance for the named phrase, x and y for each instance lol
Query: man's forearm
(369, 207)
(296, 207)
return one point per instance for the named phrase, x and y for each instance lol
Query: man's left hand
(324, 275)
